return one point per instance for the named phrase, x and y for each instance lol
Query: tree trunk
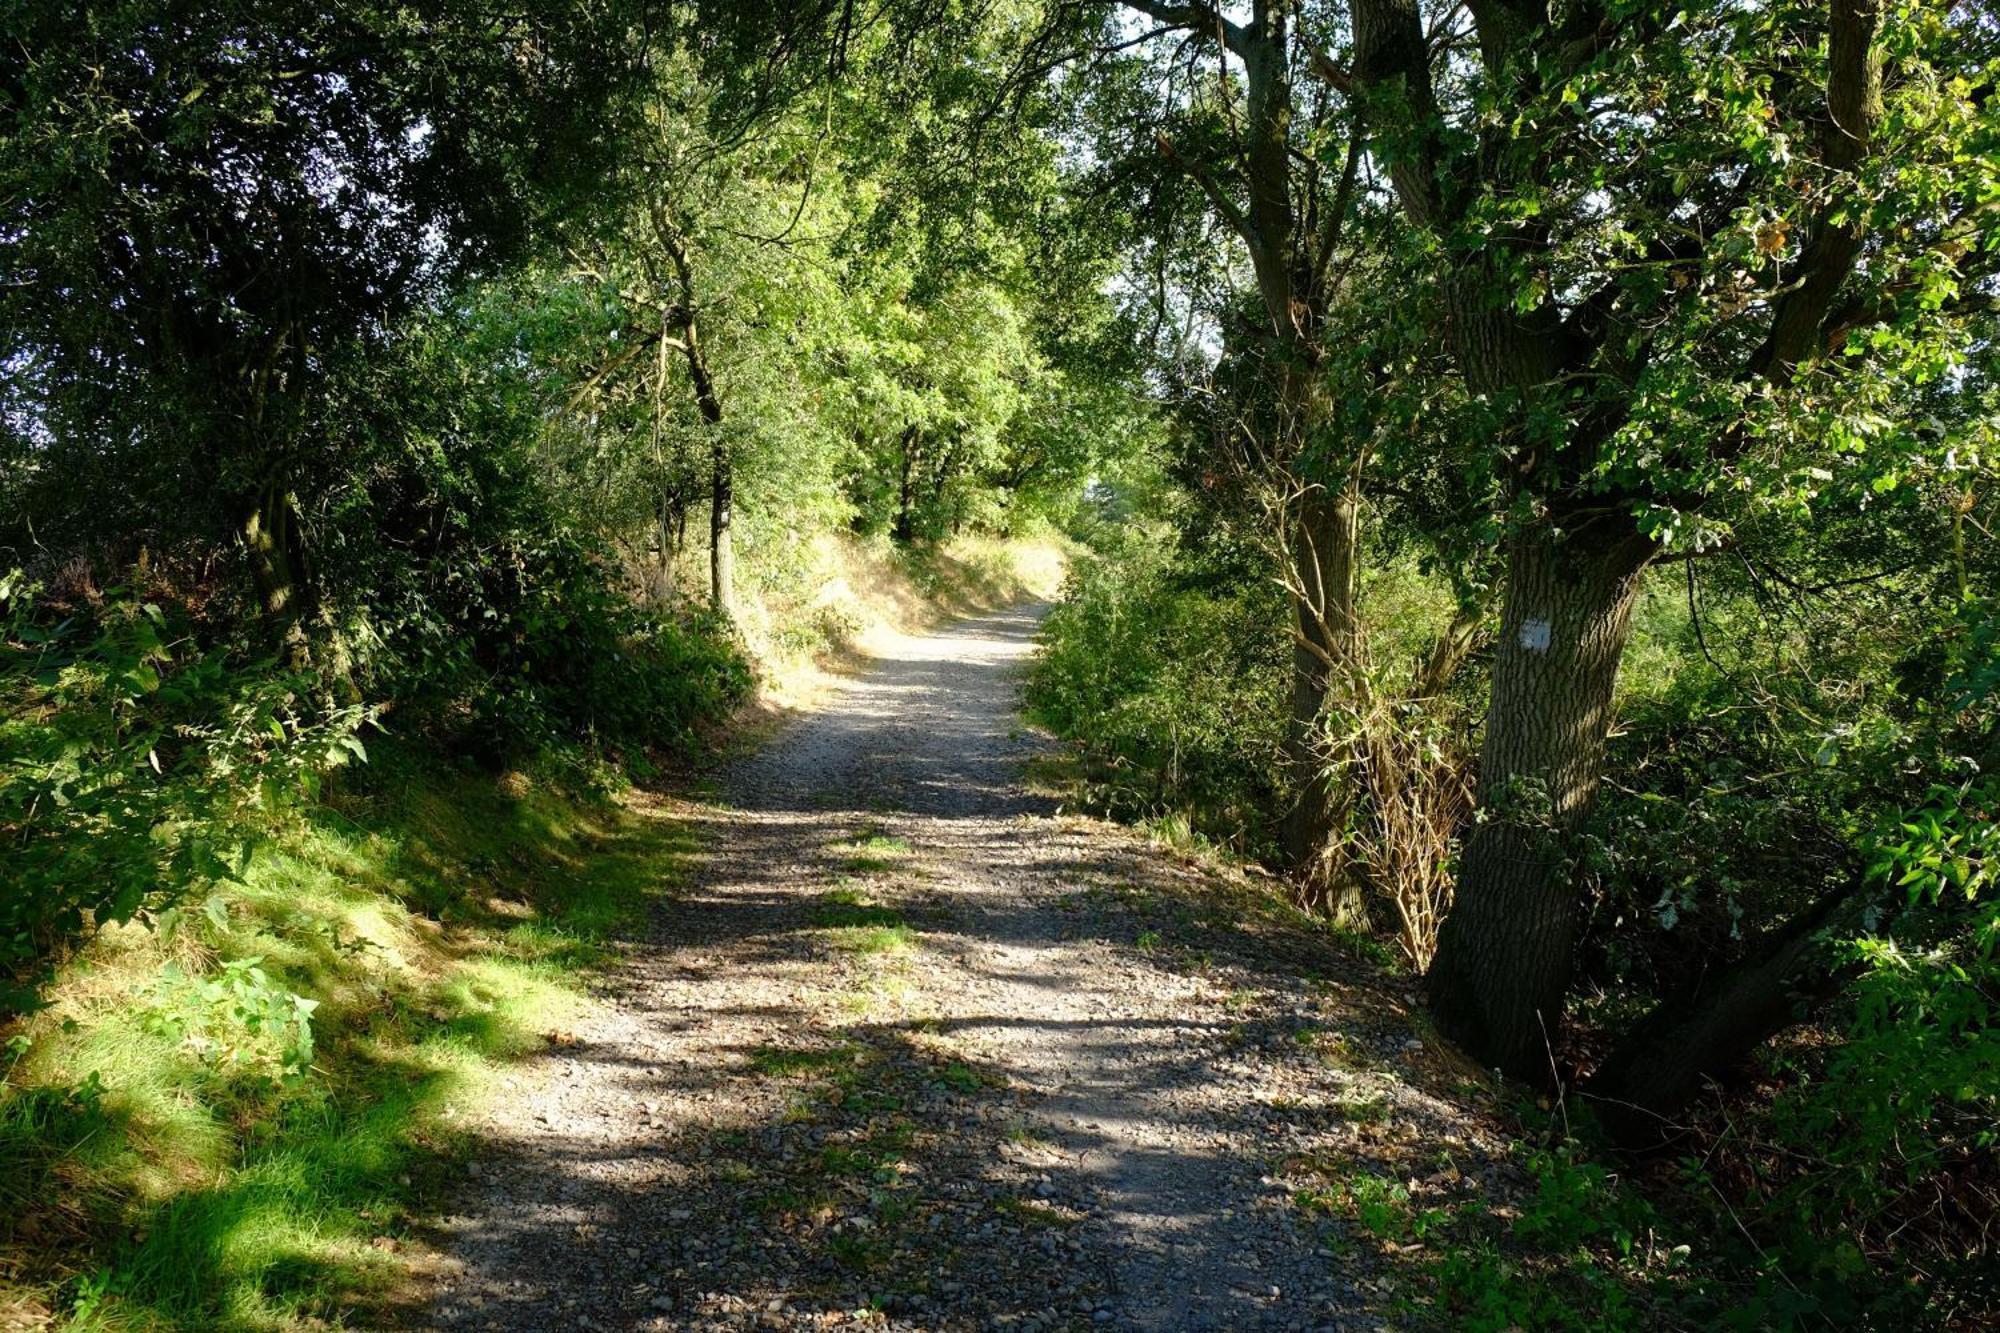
(721, 480)
(673, 535)
(1503, 960)
(1290, 259)
(904, 528)
(1658, 1067)
(271, 540)
(721, 554)
(1325, 540)
(721, 544)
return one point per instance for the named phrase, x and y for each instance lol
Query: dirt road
(915, 1049)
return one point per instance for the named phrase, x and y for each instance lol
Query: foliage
(135, 764)
(1174, 692)
(543, 653)
(237, 1017)
(1642, 315)
(385, 357)
(209, 210)
(1893, 1133)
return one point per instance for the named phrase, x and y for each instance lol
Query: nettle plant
(136, 768)
(237, 1019)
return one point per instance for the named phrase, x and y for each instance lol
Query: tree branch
(1234, 216)
(1195, 17)
(1854, 108)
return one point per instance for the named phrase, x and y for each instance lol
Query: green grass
(873, 852)
(1379, 1206)
(847, 909)
(875, 1155)
(789, 1061)
(1364, 1111)
(166, 1163)
(1579, 1255)
(874, 941)
(854, 923)
(961, 1078)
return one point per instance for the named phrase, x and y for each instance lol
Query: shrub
(1175, 694)
(1895, 1133)
(526, 644)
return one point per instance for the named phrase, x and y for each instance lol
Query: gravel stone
(892, 1057)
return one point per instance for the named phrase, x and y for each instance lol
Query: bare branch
(1238, 222)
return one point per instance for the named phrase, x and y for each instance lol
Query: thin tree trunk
(672, 521)
(269, 523)
(721, 555)
(904, 528)
(721, 543)
(721, 478)
(1291, 264)
(1504, 955)
(271, 540)
(1325, 539)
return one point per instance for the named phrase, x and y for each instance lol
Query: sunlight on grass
(172, 1157)
(874, 941)
(854, 923)
(847, 909)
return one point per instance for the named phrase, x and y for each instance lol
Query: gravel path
(914, 1049)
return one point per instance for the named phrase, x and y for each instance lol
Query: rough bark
(1503, 961)
(1325, 553)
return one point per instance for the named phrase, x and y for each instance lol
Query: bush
(1176, 695)
(1865, 1157)
(557, 658)
(1884, 1151)
(133, 764)
(515, 633)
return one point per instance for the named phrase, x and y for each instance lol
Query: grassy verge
(234, 1121)
(817, 608)
(231, 1122)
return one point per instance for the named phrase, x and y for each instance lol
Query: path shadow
(746, 1156)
